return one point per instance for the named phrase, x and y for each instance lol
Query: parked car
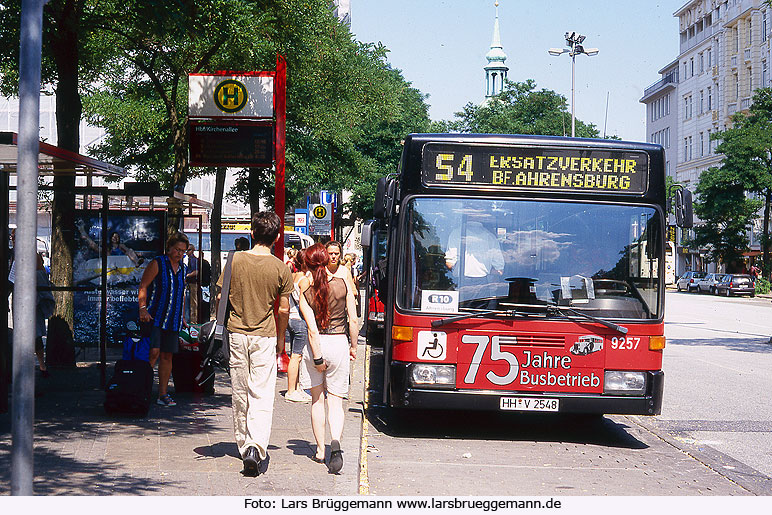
(709, 282)
(736, 284)
(688, 281)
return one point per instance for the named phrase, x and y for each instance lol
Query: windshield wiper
(561, 310)
(465, 316)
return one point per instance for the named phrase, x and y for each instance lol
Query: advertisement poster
(133, 241)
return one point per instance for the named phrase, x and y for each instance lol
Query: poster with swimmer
(133, 240)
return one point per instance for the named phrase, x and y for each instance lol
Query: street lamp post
(574, 41)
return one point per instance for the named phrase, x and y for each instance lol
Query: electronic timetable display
(576, 169)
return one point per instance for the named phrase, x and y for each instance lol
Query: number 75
(496, 355)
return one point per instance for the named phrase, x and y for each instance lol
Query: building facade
(724, 56)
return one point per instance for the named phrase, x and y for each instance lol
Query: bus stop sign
(319, 219)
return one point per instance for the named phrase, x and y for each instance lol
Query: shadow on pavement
(752, 344)
(218, 450)
(63, 475)
(593, 429)
(72, 431)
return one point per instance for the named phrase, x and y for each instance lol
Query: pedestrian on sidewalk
(334, 250)
(329, 309)
(297, 331)
(161, 310)
(44, 310)
(259, 280)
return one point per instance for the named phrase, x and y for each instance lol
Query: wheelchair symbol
(432, 345)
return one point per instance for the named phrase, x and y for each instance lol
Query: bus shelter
(117, 231)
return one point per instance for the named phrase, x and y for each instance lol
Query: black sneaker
(251, 461)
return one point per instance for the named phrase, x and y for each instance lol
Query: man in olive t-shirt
(258, 281)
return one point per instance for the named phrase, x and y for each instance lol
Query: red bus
(524, 273)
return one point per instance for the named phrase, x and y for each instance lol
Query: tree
(67, 58)
(521, 109)
(142, 97)
(725, 212)
(339, 91)
(347, 110)
(747, 149)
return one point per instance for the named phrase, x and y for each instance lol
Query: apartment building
(724, 56)
(661, 99)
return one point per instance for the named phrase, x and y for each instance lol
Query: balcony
(732, 108)
(745, 103)
(747, 54)
(691, 42)
(733, 61)
(671, 79)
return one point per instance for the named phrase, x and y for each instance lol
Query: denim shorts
(296, 335)
(167, 341)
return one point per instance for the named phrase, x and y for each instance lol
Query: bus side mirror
(385, 193)
(367, 234)
(684, 210)
(379, 207)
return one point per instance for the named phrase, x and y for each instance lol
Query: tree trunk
(215, 232)
(64, 42)
(180, 177)
(253, 181)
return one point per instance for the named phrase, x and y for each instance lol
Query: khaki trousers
(253, 381)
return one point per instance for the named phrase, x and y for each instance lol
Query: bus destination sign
(535, 168)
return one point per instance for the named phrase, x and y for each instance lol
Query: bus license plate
(528, 404)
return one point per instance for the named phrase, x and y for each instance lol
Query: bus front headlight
(624, 382)
(437, 376)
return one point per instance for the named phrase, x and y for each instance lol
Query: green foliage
(747, 149)
(726, 213)
(347, 109)
(762, 286)
(521, 109)
(140, 98)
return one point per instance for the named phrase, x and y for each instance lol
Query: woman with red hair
(329, 309)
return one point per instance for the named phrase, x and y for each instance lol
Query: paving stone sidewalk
(184, 450)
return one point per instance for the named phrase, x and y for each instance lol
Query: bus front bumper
(404, 395)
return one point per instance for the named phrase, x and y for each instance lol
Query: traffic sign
(320, 212)
(319, 219)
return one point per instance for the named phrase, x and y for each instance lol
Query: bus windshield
(466, 254)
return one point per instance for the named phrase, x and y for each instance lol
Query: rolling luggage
(188, 363)
(130, 389)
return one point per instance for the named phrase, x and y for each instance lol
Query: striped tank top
(165, 304)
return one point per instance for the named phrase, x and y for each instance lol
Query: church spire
(495, 70)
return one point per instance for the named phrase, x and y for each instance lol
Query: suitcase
(187, 365)
(130, 389)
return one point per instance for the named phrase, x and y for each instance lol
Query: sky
(440, 46)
